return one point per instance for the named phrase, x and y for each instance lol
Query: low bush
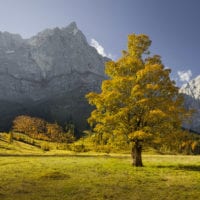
(45, 146)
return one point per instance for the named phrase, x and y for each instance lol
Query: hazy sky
(172, 25)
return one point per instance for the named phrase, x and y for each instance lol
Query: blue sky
(172, 25)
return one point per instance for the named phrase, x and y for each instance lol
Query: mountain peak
(72, 28)
(72, 25)
(48, 35)
(192, 88)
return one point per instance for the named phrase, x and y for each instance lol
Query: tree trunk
(137, 154)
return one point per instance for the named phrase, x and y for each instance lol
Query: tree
(10, 137)
(138, 101)
(55, 132)
(31, 126)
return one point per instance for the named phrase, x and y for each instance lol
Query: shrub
(195, 146)
(79, 148)
(45, 146)
(10, 137)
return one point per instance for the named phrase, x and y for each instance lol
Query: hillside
(16, 147)
(24, 145)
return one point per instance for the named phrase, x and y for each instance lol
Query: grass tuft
(55, 176)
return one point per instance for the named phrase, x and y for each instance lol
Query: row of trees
(40, 129)
(37, 128)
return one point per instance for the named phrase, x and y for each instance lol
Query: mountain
(48, 76)
(191, 92)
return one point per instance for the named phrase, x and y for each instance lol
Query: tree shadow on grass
(188, 167)
(181, 167)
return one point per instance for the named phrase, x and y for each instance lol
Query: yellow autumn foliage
(139, 100)
(139, 135)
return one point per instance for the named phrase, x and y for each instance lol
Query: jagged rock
(48, 75)
(191, 91)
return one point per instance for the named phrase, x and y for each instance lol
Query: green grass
(17, 148)
(29, 173)
(93, 177)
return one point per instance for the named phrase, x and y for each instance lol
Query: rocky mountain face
(48, 76)
(191, 91)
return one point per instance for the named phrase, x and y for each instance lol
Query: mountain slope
(191, 92)
(48, 76)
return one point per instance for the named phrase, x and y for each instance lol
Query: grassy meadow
(99, 177)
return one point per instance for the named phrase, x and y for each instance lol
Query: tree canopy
(138, 100)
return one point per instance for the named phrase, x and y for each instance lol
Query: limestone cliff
(48, 76)
(191, 91)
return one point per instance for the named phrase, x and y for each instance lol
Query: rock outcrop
(191, 91)
(48, 76)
